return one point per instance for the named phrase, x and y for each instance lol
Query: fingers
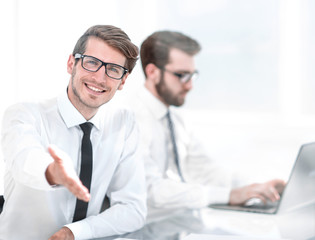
(238, 196)
(64, 174)
(52, 152)
(271, 194)
(265, 191)
(57, 154)
(268, 191)
(278, 184)
(76, 187)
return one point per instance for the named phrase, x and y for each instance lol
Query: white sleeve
(204, 184)
(23, 150)
(166, 193)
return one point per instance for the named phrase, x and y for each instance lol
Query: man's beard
(166, 94)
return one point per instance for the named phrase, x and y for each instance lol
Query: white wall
(254, 101)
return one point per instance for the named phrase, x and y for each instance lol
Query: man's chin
(179, 103)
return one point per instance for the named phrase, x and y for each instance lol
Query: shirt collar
(70, 115)
(157, 108)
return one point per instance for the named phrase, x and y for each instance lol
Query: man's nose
(101, 74)
(188, 85)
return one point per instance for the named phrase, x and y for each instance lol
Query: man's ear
(153, 73)
(70, 64)
(122, 82)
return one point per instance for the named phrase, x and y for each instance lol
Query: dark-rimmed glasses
(183, 77)
(93, 64)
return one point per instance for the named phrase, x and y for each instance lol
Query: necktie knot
(168, 115)
(86, 128)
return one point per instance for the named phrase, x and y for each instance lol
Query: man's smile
(94, 89)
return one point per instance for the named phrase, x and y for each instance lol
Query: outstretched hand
(61, 172)
(270, 190)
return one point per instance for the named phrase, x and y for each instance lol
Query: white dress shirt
(204, 183)
(35, 210)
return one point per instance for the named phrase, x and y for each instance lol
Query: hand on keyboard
(254, 202)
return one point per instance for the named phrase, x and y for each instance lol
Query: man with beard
(179, 173)
(64, 155)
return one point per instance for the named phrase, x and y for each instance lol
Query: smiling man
(64, 155)
(179, 173)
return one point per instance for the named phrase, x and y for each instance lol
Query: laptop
(298, 192)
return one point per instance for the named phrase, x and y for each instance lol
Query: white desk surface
(209, 224)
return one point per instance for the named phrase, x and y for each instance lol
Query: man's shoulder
(34, 113)
(32, 107)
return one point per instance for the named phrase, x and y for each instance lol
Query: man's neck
(85, 111)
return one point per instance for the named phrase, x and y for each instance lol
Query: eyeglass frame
(82, 56)
(182, 75)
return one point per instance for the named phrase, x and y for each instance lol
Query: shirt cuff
(218, 195)
(81, 230)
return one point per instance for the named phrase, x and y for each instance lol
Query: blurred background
(254, 102)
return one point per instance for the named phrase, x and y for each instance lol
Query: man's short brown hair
(115, 38)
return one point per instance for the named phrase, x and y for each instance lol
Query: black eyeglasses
(183, 77)
(93, 64)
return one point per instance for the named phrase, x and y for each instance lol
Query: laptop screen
(300, 189)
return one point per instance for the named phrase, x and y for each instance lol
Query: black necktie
(86, 169)
(176, 158)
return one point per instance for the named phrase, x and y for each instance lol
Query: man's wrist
(68, 233)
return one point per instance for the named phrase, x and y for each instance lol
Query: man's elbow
(141, 218)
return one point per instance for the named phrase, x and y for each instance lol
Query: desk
(298, 224)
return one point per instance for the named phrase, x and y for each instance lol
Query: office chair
(1, 202)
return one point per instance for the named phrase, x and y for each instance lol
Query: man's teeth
(94, 89)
